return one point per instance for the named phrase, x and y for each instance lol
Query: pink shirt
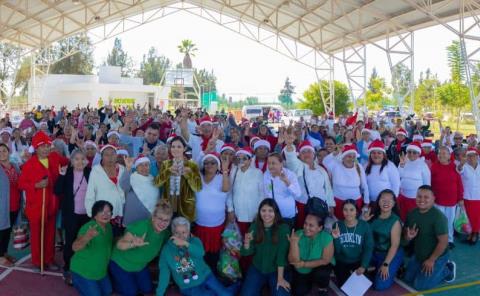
(80, 188)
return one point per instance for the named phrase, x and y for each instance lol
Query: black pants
(5, 234)
(72, 225)
(302, 283)
(344, 270)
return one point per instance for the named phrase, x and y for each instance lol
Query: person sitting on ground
(426, 228)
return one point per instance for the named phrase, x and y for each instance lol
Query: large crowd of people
(131, 194)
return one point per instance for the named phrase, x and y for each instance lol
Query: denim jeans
(414, 274)
(130, 283)
(88, 287)
(377, 260)
(255, 280)
(210, 287)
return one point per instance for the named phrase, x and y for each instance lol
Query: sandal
(10, 258)
(5, 262)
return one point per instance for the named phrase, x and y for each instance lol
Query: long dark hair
(260, 228)
(368, 169)
(377, 203)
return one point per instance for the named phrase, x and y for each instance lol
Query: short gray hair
(180, 221)
(159, 147)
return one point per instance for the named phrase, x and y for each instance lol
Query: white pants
(449, 212)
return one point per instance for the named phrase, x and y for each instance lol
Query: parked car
(297, 115)
(251, 112)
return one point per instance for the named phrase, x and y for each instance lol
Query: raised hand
(336, 231)
(62, 170)
(139, 241)
(403, 160)
(178, 241)
(412, 232)
(129, 161)
(248, 238)
(91, 232)
(293, 238)
(367, 215)
(284, 179)
(42, 184)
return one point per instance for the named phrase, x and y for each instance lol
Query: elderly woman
(9, 202)
(141, 195)
(180, 179)
(141, 243)
(93, 248)
(160, 154)
(348, 178)
(71, 186)
(311, 253)
(105, 185)
(182, 258)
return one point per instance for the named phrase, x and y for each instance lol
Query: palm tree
(188, 48)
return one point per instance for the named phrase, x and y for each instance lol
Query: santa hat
(417, 137)
(141, 159)
(7, 130)
(43, 123)
(122, 152)
(213, 155)
(261, 143)
(305, 145)
(376, 145)
(472, 150)
(415, 146)
(401, 131)
(170, 138)
(245, 151)
(349, 149)
(90, 143)
(205, 120)
(254, 138)
(106, 147)
(39, 139)
(366, 130)
(427, 143)
(112, 133)
(227, 146)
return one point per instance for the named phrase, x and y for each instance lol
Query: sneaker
(52, 267)
(452, 267)
(67, 278)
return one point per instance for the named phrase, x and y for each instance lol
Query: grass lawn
(465, 128)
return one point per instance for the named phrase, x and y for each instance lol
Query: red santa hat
(366, 130)
(205, 120)
(170, 138)
(141, 159)
(376, 145)
(245, 151)
(227, 146)
(261, 143)
(254, 138)
(113, 133)
(40, 139)
(305, 145)
(418, 138)
(90, 143)
(472, 150)
(213, 155)
(401, 131)
(415, 146)
(427, 143)
(349, 149)
(106, 147)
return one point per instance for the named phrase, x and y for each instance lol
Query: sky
(246, 68)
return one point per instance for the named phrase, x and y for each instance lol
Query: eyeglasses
(161, 219)
(209, 163)
(242, 158)
(412, 152)
(458, 138)
(106, 213)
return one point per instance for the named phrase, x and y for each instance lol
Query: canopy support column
(354, 63)
(325, 73)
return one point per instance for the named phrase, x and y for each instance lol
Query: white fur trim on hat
(206, 156)
(427, 144)
(417, 138)
(113, 133)
(244, 152)
(90, 143)
(414, 148)
(307, 147)
(141, 160)
(7, 130)
(108, 146)
(261, 143)
(122, 152)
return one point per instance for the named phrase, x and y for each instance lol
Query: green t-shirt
(382, 229)
(91, 262)
(267, 256)
(133, 260)
(355, 244)
(430, 225)
(312, 248)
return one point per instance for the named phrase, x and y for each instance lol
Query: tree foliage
(80, 62)
(456, 62)
(119, 57)
(400, 82)
(8, 59)
(286, 93)
(153, 67)
(312, 99)
(188, 48)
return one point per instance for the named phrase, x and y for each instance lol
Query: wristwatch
(385, 264)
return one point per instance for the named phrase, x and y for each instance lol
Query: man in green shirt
(426, 228)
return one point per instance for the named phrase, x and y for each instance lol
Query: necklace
(354, 229)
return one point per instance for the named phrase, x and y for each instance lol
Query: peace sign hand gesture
(367, 215)
(412, 232)
(91, 232)
(293, 238)
(336, 231)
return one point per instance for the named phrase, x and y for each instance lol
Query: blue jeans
(255, 280)
(377, 260)
(414, 274)
(210, 287)
(88, 287)
(130, 283)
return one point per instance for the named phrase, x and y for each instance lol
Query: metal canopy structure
(312, 32)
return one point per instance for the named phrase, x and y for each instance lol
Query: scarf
(205, 140)
(264, 167)
(146, 192)
(398, 146)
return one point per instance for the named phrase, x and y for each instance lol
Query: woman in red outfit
(9, 202)
(38, 176)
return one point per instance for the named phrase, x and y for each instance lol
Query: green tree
(455, 96)
(251, 100)
(456, 62)
(80, 62)
(377, 92)
(119, 57)
(188, 48)
(8, 62)
(286, 93)
(153, 67)
(313, 101)
(426, 93)
(400, 82)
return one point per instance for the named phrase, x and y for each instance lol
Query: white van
(252, 111)
(296, 115)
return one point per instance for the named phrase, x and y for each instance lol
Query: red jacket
(447, 184)
(33, 172)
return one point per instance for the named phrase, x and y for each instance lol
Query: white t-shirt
(211, 203)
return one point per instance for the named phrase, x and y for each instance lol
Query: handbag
(315, 205)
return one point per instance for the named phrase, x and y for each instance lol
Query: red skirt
(211, 237)
(405, 205)
(472, 207)
(338, 212)
(301, 215)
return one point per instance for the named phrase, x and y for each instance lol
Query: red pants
(472, 207)
(243, 227)
(301, 214)
(405, 205)
(338, 212)
(211, 237)
(48, 242)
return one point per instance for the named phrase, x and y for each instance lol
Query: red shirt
(447, 184)
(13, 175)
